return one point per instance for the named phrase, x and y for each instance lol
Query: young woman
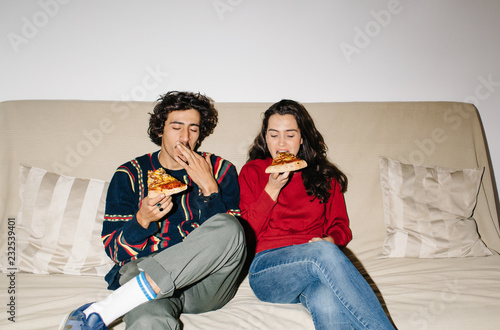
(299, 220)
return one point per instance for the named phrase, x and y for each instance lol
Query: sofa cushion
(428, 211)
(59, 224)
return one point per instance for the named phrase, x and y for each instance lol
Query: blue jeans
(324, 280)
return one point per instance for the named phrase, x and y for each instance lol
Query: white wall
(256, 50)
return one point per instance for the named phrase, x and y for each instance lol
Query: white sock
(130, 295)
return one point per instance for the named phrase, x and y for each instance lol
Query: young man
(172, 254)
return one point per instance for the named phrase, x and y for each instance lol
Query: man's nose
(184, 136)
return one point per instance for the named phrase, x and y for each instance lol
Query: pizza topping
(284, 157)
(160, 180)
(285, 162)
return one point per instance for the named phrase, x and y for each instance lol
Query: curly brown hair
(318, 175)
(178, 101)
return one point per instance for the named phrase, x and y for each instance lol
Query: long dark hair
(318, 175)
(175, 101)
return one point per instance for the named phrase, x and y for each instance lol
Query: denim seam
(336, 294)
(324, 275)
(308, 308)
(275, 266)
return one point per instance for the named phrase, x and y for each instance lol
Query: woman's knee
(319, 295)
(324, 254)
(324, 248)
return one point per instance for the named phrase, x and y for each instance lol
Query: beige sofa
(422, 284)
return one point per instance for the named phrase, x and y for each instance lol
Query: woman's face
(283, 134)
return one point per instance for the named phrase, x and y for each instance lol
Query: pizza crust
(159, 181)
(167, 192)
(288, 167)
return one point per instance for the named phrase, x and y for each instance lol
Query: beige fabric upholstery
(428, 211)
(59, 224)
(89, 139)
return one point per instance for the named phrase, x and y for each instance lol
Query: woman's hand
(199, 168)
(153, 209)
(326, 238)
(276, 182)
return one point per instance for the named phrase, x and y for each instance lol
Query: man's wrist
(208, 198)
(210, 189)
(140, 220)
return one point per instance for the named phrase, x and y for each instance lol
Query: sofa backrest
(89, 139)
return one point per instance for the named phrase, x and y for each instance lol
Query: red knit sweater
(295, 217)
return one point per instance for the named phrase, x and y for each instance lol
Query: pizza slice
(159, 182)
(286, 162)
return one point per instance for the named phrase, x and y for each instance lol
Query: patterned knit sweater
(125, 239)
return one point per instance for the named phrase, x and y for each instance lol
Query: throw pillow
(59, 224)
(428, 211)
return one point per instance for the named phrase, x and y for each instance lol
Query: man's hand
(153, 209)
(276, 182)
(199, 168)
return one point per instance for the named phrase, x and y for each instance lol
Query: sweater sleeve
(123, 237)
(227, 199)
(256, 205)
(337, 220)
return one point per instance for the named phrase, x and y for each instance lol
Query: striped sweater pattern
(125, 240)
